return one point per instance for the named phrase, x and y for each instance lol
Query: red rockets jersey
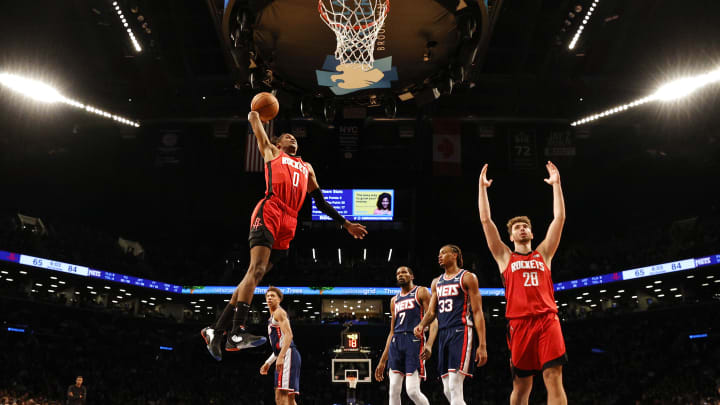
(528, 286)
(286, 177)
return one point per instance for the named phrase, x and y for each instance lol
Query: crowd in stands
(636, 358)
(22, 397)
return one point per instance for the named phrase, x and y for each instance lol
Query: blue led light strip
(640, 272)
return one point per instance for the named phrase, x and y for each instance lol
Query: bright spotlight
(31, 88)
(45, 93)
(674, 90)
(682, 87)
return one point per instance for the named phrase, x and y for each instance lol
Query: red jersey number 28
(531, 278)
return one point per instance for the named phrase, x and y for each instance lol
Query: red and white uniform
(534, 335)
(286, 180)
(528, 286)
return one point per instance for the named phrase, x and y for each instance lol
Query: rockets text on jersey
(528, 286)
(286, 177)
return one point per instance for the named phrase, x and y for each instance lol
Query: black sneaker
(213, 342)
(243, 340)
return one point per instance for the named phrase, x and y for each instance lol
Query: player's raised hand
(253, 115)
(484, 182)
(426, 353)
(264, 369)
(380, 371)
(553, 174)
(481, 356)
(358, 231)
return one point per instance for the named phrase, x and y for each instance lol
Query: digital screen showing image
(358, 204)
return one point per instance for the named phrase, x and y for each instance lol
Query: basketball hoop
(356, 24)
(352, 382)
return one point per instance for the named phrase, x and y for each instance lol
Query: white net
(356, 24)
(352, 382)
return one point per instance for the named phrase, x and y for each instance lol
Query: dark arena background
(128, 177)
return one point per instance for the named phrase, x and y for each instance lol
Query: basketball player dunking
(284, 353)
(407, 353)
(272, 227)
(457, 302)
(534, 336)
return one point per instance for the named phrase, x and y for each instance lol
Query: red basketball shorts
(536, 343)
(272, 224)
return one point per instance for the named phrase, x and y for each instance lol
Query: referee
(76, 393)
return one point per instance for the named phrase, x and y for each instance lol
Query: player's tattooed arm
(267, 149)
(382, 363)
(499, 250)
(549, 246)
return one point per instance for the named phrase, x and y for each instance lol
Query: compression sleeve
(326, 208)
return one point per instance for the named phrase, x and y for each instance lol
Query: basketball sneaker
(243, 340)
(213, 342)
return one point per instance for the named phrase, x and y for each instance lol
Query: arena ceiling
(528, 71)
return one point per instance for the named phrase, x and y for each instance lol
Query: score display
(350, 341)
(358, 204)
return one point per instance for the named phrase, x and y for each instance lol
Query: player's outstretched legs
(553, 382)
(236, 311)
(521, 390)
(239, 338)
(396, 380)
(412, 386)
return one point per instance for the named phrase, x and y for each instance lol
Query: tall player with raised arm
(534, 335)
(406, 352)
(272, 226)
(457, 302)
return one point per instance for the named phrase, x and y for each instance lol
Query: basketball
(266, 105)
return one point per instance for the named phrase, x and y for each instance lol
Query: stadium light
(45, 93)
(671, 91)
(339, 256)
(390, 254)
(130, 34)
(582, 25)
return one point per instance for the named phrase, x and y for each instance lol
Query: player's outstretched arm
(429, 312)
(471, 286)
(499, 250)
(358, 231)
(380, 369)
(267, 149)
(549, 246)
